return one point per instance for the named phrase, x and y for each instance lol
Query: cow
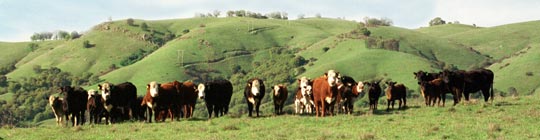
(463, 82)
(56, 104)
(118, 100)
(254, 93)
(374, 92)
(396, 92)
(188, 98)
(95, 106)
(325, 91)
(216, 95)
(280, 96)
(162, 97)
(304, 96)
(348, 90)
(422, 76)
(75, 99)
(139, 110)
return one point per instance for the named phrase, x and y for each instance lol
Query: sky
(19, 19)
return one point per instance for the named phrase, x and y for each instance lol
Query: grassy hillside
(446, 29)
(506, 118)
(519, 71)
(14, 52)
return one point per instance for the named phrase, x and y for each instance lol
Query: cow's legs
(485, 92)
(250, 109)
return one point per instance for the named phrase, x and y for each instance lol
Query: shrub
(130, 22)
(529, 73)
(185, 31)
(144, 26)
(325, 49)
(86, 44)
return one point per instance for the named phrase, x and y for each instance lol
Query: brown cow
(396, 92)
(325, 92)
(161, 97)
(56, 104)
(254, 93)
(188, 98)
(94, 106)
(304, 96)
(280, 96)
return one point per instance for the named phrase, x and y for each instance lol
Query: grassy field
(505, 118)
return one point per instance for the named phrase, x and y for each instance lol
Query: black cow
(118, 100)
(374, 92)
(217, 96)
(466, 82)
(254, 93)
(348, 90)
(75, 99)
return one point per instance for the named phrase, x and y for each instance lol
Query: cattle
(139, 110)
(374, 92)
(188, 98)
(75, 99)
(463, 82)
(118, 100)
(304, 96)
(95, 106)
(422, 76)
(254, 93)
(435, 90)
(280, 96)
(348, 90)
(56, 104)
(216, 95)
(396, 92)
(162, 97)
(324, 93)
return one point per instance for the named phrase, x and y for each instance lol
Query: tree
(365, 31)
(230, 13)
(3, 81)
(318, 15)
(33, 46)
(217, 13)
(75, 35)
(144, 26)
(284, 15)
(436, 21)
(86, 44)
(130, 21)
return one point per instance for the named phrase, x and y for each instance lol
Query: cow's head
(92, 93)
(52, 99)
(446, 75)
(332, 77)
(201, 89)
(153, 88)
(390, 83)
(255, 87)
(105, 89)
(276, 90)
(359, 87)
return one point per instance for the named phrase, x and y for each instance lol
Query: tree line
(57, 35)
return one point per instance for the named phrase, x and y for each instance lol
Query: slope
(519, 71)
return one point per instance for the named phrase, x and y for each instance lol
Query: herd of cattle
(175, 100)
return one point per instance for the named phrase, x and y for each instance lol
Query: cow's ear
(325, 74)
(147, 86)
(99, 86)
(158, 85)
(249, 84)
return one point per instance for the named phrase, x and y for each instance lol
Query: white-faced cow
(75, 99)
(117, 100)
(95, 106)
(304, 96)
(162, 97)
(217, 96)
(56, 104)
(325, 92)
(280, 95)
(254, 93)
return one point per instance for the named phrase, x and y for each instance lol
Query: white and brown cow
(325, 92)
(56, 104)
(280, 96)
(254, 93)
(304, 96)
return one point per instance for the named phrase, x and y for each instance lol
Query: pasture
(505, 118)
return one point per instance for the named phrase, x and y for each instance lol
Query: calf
(188, 98)
(304, 96)
(324, 93)
(75, 103)
(216, 95)
(95, 106)
(374, 92)
(396, 92)
(280, 96)
(254, 93)
(56, 104)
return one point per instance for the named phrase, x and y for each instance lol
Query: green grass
(513, 72)
(506, 118)
(446, 29)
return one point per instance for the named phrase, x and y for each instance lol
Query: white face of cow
(332, 77)
(91, 93)
(153, 88)
(105, 91)
(309, 90)
(360, 87)
(276, 90)
(201, 89)
(51, 100)
(255, 87)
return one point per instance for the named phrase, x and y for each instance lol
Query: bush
(365, 31)
(325, 49)
(436, 21)
(144, 26)
(33, 46)
(185, 31)
(529, 73)
(130, 22)
(86, 44)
